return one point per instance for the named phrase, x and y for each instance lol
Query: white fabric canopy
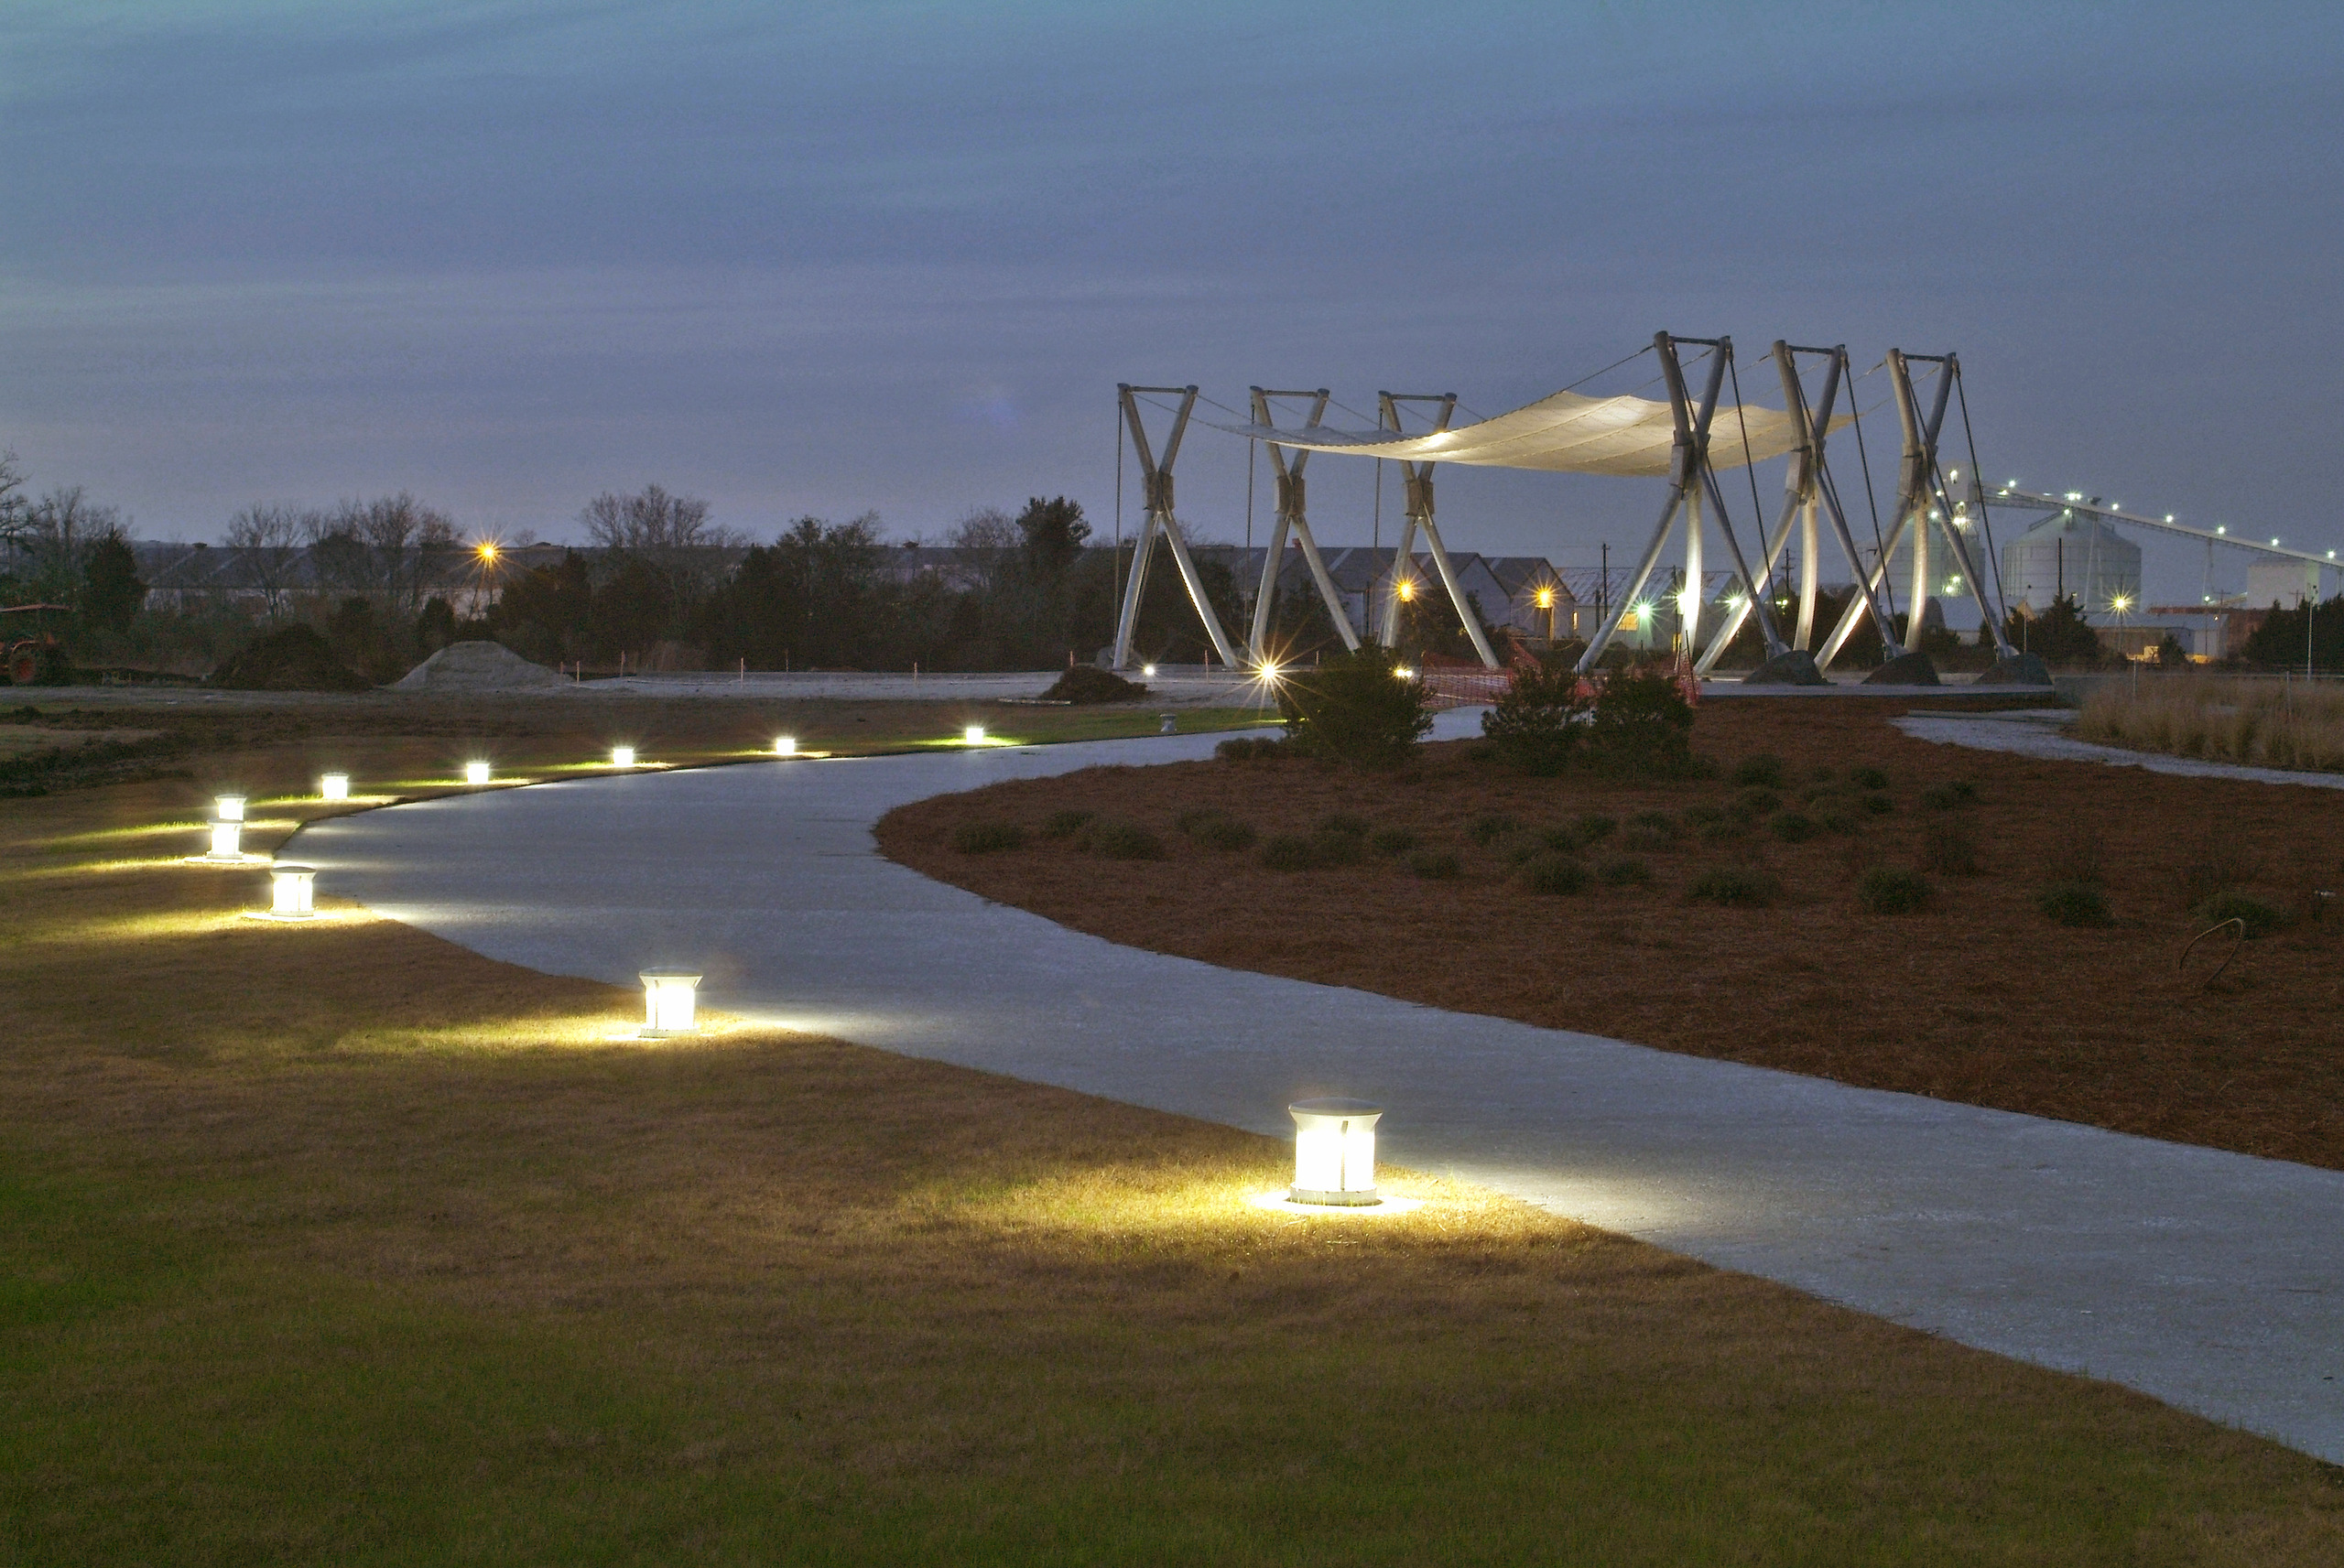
(1562, 434)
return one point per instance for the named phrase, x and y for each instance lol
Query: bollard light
(785, 745)
(1148, 670)
(622, 756)
(475, 772)
(669, 1002)
(227, 840)
(292, 892)
(230, 808)
(1334, 1151)
(334, 786)
(974, 735)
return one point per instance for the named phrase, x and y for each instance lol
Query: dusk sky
(801, 259)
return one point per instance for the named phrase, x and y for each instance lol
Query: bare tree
(989, 538)
(408, 547)
(14, 509)
(266, 539)
(58, 531)
(671, 531)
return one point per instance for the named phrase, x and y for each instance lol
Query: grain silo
(2081, 557)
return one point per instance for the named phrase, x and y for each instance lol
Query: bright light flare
(785, 745)
(228, 807)
(622, 756)
(334, 786)
(974, 735)
(1148, 670)
(475, 772)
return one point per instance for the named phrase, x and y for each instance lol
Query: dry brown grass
(2261, 723)
(1977, 999)
(535, 1295)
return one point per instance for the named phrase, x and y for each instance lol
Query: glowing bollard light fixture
(292, 892)
(227, 840)
(475, 772)
(785, 745)
(670, 1000)
(974, 735)
(622, 756)
(334, 786)
(228, 807)
(1334, 1153)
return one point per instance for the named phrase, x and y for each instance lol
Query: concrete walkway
(2213, 1280)
(2034, 732)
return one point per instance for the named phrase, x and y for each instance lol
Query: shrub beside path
(2211, 1279)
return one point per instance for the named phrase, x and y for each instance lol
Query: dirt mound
(1088, 683)
(477, 666)
(291, 658)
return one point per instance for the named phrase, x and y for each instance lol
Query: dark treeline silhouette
(1019, 593)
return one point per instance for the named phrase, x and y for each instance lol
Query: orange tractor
(34, 652)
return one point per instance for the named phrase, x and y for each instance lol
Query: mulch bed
(1976, 997)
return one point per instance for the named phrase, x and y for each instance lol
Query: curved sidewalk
(2029, 733)
(2211, 1279)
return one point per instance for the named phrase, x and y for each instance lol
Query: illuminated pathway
(2213, 1280)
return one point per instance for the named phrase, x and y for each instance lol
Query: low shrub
(1950, 849)
(984, 837)
(1643, 727)
(1552, 873)
(1225, 833)
(1880, 804)
(1355, 707)
(1594, 828)
(1490, 826)
(1950, 796)
(1434, 865)
(1839, 818)
(1893, 890)
(1343, 825)
(1736, 887)
(1065, 824)
(1339, 848)
(1250, 749)
(1524, 848)
(1290, 852)
(1625, 873)
(1763, 769)
(1390, 840)
(1868, 778)
(1821, 775)
(1647, 841)
(2073, 903)
(1196, 816)
(1725, 830)
(1539, 722)
(1123, 841)
(1753, 804)
(1794, 828)
(2261, 918)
